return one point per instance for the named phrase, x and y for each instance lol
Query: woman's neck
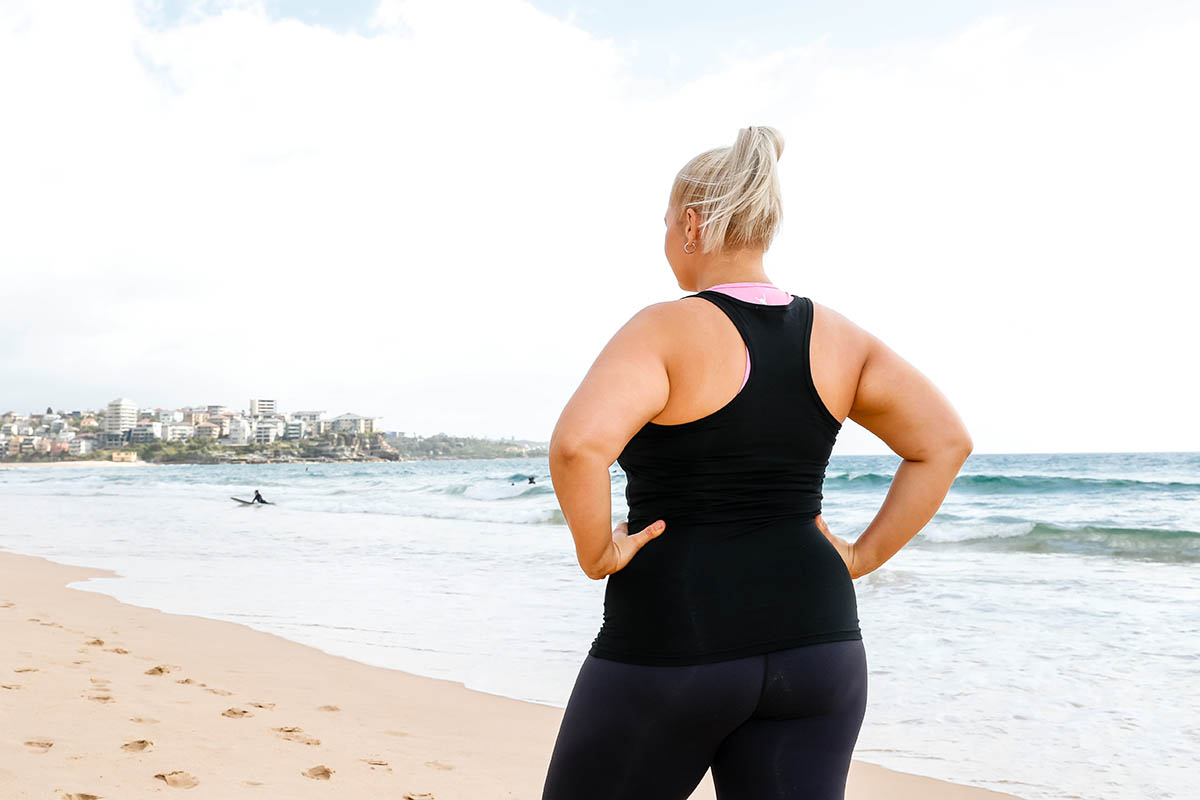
(740, 266)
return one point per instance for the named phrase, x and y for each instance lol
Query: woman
(730, 636)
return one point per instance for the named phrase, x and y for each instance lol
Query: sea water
(1040, 636)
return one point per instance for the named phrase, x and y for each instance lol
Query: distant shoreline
(90, 461)
(239, 462)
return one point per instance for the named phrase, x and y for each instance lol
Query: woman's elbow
(963, 444)
(564, 450)
(946, 446)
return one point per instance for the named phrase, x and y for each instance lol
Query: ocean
(1040, 636)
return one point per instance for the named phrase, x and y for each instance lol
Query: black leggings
(776, 726)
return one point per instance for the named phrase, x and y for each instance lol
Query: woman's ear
(691, 225)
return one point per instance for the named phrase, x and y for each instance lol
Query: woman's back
(744, 569)
(728, 598)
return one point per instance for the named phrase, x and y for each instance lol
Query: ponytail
(735, 190)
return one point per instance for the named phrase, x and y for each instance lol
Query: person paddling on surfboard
(258, 498)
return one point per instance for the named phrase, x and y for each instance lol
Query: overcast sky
(438, 212)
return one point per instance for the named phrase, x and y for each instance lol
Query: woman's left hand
(625, 545)
(845, 549)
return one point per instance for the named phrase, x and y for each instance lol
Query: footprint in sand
(81, 661)
(98, 680)
(376, 762)
(7, 604)
(417, 796)
(161, 669)
(236, 712)
(137, 745)
(80, 796)
(328, 708)
(220, 692)
(438, 765)
(185, 680)
(11, 686)
(39, 745)
(293, 734)
(100, 698)
(26, 669)
(118, 650)
(267, 706)
(319, 772)
(95, 643)
(178, 779)
(144, 720)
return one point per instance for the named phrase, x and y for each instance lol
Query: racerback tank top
(742, 567)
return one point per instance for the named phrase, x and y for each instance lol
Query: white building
(81, 446)
(268, 430)
(353, 423)
(262, 408)
(296, 429)
(179, 433)
(170, 417)
(240, 431)
(314, 421)
(145, 432)
(121, 416)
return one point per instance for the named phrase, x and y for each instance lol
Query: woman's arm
(626, 386)
(897, 403)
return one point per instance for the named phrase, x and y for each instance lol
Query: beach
(104, 699)
(1019, 644)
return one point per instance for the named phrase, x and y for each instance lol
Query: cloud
(441, 219)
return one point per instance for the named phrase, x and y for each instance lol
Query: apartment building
(262, 408)
(120, 416)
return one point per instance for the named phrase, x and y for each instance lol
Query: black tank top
(742, 567)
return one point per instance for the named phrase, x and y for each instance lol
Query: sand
(91, 462)
(100, 699)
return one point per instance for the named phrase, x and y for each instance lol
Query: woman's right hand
(845, 549)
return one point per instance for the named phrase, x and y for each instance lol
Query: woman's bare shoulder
(838, 332)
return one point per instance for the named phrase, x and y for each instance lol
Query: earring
(691, 245)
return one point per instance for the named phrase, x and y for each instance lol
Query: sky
(438, 212)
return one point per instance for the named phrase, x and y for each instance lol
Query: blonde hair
(735, 190)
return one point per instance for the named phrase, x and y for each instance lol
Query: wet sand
(100, 699)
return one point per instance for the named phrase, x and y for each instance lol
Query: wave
(492, 491)
(1016, 484)
(1146, 544)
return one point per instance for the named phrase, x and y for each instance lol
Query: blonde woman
(731, 637)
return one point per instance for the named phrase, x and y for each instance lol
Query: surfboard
(251, 502)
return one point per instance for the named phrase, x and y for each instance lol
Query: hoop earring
(691, 245)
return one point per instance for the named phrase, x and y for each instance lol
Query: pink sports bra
(765, 293)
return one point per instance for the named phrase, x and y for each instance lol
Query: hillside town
(213, 434)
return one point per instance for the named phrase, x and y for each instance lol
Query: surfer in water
(258, 498)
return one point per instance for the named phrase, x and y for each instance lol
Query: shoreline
(244, 462)
(97, 462)
(242, 711)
